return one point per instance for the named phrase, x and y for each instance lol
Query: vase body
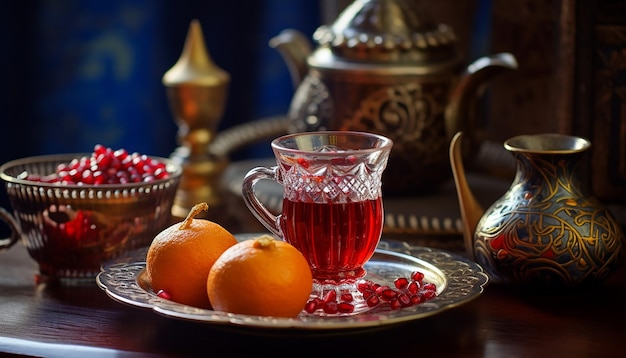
(545, 231)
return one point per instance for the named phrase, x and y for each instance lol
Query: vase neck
(554, 170)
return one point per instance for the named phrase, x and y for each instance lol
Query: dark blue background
(76, 73)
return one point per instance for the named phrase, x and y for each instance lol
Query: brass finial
(197, 89)
(195, 65)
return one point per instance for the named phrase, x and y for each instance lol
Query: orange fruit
(180, 257)
(262, 277)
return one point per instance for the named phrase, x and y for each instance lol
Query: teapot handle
(458, 113)
(6, 243)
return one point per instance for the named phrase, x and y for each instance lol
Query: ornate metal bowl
(71, 229)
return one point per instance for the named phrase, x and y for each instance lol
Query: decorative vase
(545, 231)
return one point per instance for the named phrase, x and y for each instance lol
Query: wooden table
(40, 320)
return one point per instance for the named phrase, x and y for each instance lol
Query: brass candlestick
(196, 90)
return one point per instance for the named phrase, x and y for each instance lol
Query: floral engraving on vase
(545, 231)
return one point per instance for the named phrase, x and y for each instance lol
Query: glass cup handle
(5, 243)
(269, 220)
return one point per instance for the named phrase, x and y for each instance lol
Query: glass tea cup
(332, 207)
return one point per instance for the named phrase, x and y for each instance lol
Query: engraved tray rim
(458, 279)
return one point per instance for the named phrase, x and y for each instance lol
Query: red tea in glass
(336, 238)
(332, 204)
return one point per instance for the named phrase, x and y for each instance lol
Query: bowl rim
(174, 169)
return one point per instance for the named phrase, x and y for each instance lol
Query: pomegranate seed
(164, 295)
(311, 306)
(345, 307)
(127, 162)
(153, 163)
(372, 301)
(430, 287)
(331, 296)
(87, 177)
(401, 283)
(330, 307)
(160, 173)
(388, 294)
(404, 300)
(413, 287)
(103, 160)
(98, 177)
(73, 164)
(394, 304)
(135, 178)
(417, 276)
(116, 164)
(142, 158)
(75, 174)
(363, 285)
(120, 154)
(367, 294)
(415, 299)
(380, 289)
(346, 297)
(99, 149)
(429, 294)
(64, 175)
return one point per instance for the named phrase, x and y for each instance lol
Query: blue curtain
(77, 73)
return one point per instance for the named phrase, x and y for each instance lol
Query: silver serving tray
(458, 281)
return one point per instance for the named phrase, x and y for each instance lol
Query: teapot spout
(471, 210)
(458, 114)
(295, 48)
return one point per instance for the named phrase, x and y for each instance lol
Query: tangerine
(180, 257)
(261, 276)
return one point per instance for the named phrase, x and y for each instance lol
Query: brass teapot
(384, 67)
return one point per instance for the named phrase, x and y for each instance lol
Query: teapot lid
(397, 31)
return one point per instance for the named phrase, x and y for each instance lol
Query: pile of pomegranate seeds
(83, 235)
(105, 166)
(406, 292)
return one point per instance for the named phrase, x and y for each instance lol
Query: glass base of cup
(336, 299)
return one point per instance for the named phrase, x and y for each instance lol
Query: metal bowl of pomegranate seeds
(75, 211)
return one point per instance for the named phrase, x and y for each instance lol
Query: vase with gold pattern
(544, 231)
